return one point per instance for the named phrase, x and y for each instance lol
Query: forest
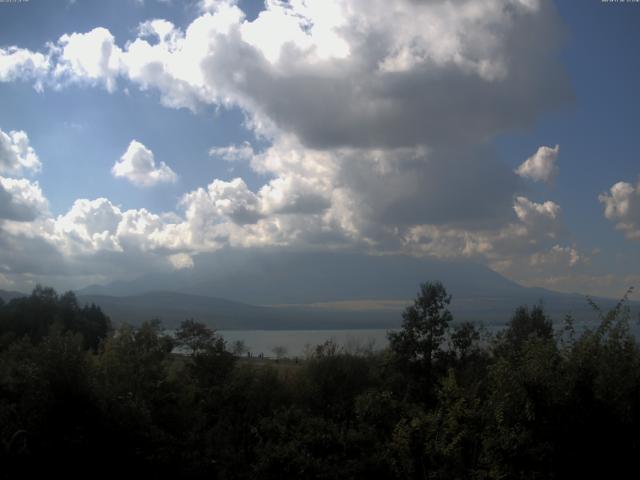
(445, 399)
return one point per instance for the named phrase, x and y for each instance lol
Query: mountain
(323, 290)
(172, 308)
(276, 277)
(8, 295)
(284, 290)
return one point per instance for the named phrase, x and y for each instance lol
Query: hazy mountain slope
(8, 295)
(319, 285)
(171, 308)
(283, 278)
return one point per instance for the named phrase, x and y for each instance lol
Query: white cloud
(181, 261)
(294, 195)
(173, 62)
(368, 147)
(93, 241)
(368, 69)
(88, 57)
(622, 205)
(162, 30)
(139, 167)
(556, 256)
(16, 63)
(233, 153)
(542, 216)
(523, 249)
(222, 201)
(21, 200)
(98, 226)
(309, 27)
(89, 225)
(16, 153)
(541, 166)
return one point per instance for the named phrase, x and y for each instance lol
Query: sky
(140, 136)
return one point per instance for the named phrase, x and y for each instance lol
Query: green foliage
(133, 362)
(209, 364)
(423, 328)
(525, 324)
(196, 337)
(331, 380)
(442, 402)
(417, 349)
(239, 348)
(37, 315)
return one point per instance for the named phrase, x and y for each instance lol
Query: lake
(297, 342)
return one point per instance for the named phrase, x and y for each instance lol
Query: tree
(239, 347)
(196, 336)
(417, 347)
(133, 361)
(424, 326)
(464, 339)
(43, 311)
(210, 363)
(279, 351)
(525, 323)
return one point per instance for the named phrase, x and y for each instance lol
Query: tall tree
(195, 336)
(417, 347)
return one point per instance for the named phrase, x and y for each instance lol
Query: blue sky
(84, 129)
(598, 133)
(406, 144)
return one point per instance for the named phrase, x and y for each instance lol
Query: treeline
(443, 401)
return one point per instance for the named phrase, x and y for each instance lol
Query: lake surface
(298, 342)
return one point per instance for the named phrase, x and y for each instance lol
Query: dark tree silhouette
(37, 315)
(196, 337)
(525, 323)
(416, 349)
(438, 403)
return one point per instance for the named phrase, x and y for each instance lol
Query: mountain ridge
(319, 289)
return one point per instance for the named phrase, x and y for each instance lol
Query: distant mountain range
(278, 290)
(7, 295)
(276, 277)
(173, 307)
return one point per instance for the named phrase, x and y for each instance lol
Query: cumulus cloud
(21, 200)
(536, 228)
(377, 117)
(181, 261)
(385, 134)
(19, 63)
(477, 52)
(557, 255)
(91, 57)
(223, 200)
(622, 205)
(16, 153)
(92, 226)
(233, 153)
(139, 167)
(293, 195)
(93, 241)
(369, 70)
(89, 225)
(541, 216)
(541, 166)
